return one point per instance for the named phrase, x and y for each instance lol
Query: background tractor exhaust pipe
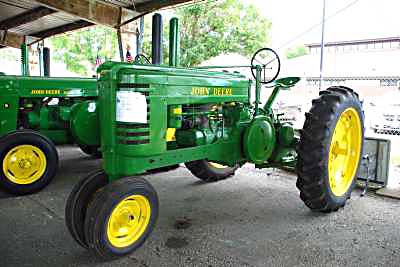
(46, 62)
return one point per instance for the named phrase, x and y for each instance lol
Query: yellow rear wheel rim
(128, 221)
(217, 165)
(24, 164)
(345, 151)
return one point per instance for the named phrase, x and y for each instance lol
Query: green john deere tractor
(213, 122)
(35, 114)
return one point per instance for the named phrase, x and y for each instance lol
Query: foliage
(208, 29)
(11, 54)
(296, 52)
(78, 50)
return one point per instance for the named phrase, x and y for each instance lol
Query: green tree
(208, 29)
(11, 54)
(79, 49)
(296, 52)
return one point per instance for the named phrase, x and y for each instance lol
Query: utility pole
(321, 63)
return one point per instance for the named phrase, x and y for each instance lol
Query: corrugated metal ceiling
(10, 9)
(44, 23)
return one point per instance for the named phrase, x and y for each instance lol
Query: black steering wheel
(269, 62)
(142, 59)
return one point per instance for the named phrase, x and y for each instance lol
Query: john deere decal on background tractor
(155, 116)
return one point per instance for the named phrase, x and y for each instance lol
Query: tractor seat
(287, 82)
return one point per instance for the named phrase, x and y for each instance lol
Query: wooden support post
(119, 35)
(11, 39)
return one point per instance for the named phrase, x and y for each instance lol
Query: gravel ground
(254, 219)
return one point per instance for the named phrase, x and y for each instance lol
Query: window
(388, 82)
(386, 45)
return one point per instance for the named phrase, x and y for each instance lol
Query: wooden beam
(151, 6)
(11, 39)
(25, 17)
(89, 10)
(148, 7)
(61, 29)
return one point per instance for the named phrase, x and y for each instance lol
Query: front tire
(209, 171)
(29, 162)
(78, 201)
(121, 217)
(330, 149)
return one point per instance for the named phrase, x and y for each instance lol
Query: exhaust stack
(156, 48)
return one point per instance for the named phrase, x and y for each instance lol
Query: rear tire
(29, 162)
(78, 201)
(330, 149)
(209, 171)
(121, 217)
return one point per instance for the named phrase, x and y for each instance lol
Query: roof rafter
(26, 17)
(61, 29)
(149, 7)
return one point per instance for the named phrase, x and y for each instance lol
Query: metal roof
(43, 18)
(354, 42)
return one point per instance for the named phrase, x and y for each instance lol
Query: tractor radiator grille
(134, 133)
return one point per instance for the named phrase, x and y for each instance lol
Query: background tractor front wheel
(29, 162)
(121, 217)
(330, 149)
(210, 171)
(78, 201)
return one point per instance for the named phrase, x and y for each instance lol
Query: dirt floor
(254, 219)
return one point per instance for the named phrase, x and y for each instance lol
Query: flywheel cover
(259, 140)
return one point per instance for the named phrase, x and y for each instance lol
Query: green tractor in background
(36, 113)
(213, 122)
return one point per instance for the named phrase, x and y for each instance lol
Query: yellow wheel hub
(128, 221)
(217, 165)
(24, 164)
(344, 152)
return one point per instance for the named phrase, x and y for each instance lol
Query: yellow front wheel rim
(345, 151)
(128, 221)
(24, 164)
